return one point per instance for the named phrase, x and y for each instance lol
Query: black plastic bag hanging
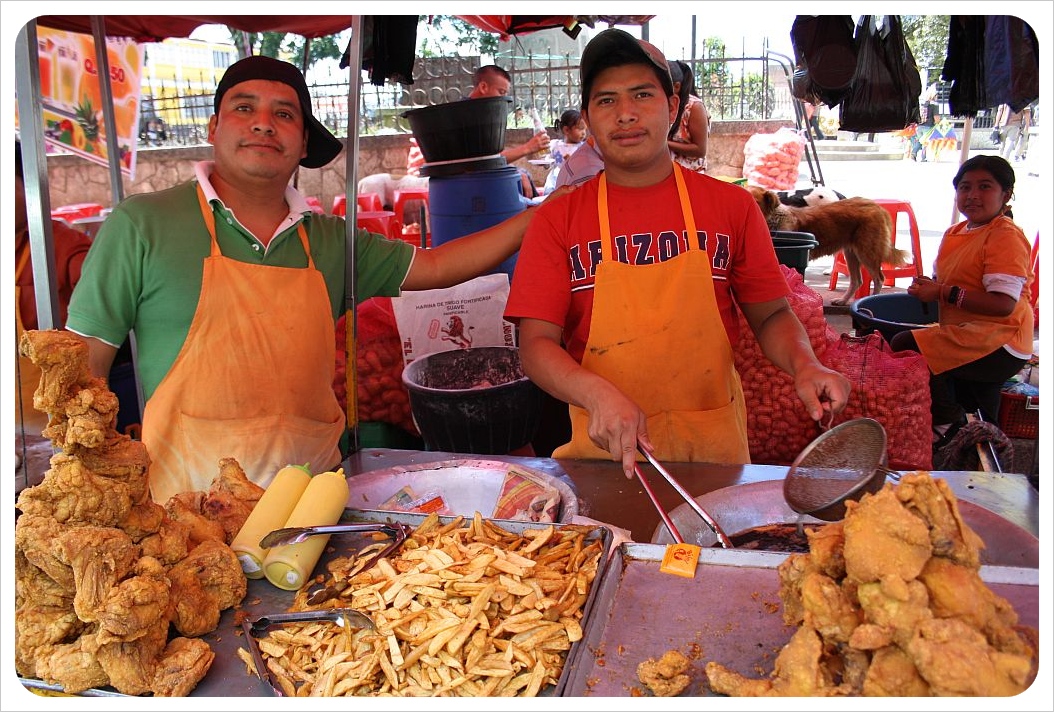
(824, 58)
(884, 95)
(1011, 62)
(964, 65)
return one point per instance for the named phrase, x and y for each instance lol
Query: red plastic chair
(890, 273)
(404, 201)
(369, 201)
(76, 211)
(340, 205)
(315, 203)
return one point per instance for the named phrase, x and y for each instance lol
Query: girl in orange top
(982, 282)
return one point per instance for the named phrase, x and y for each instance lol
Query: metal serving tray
(730, 612)
(227, 677)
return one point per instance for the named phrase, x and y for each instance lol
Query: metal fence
(733, 88)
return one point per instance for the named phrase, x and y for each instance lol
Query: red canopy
(507, 25)
(155, 28)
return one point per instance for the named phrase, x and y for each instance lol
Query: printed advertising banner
(72, 99)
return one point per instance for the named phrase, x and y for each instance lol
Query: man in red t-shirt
(626, 290)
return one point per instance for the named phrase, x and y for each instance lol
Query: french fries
(462, 609)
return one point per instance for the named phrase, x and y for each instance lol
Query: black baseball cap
(322, 146)
(613, 48)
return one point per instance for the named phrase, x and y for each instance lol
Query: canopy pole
(35, 171)
(113, 147)
(964, 153)
(351, 169)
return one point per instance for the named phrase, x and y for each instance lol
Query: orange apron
(28, 374)
(656, 333)
(253, 381)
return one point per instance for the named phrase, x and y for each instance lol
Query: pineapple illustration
(87, 118)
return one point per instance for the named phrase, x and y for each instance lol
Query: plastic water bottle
(538, 126)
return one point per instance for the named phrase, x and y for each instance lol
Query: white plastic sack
(771, 160)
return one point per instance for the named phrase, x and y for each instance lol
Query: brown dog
(859, 227)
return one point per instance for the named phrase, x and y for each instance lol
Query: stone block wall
(74, 180)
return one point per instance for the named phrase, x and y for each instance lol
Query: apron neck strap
(605, 218)
(210, 225)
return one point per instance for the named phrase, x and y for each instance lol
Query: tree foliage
(290, 46)
(927, 36)
(437, 34)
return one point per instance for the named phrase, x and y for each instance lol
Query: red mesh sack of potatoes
(382, 397)
(890, 387)
(778, 427)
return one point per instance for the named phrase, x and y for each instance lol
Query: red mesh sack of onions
(382, 397)
(771, 160)
(778, 427)
(891, 387)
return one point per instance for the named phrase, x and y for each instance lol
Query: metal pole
(351, 153)
(35, 169)
(113, 148)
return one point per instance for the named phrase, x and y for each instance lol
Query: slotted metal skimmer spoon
(842, 464)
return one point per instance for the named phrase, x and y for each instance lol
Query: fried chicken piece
(87, 417)
(181, 666)
(169, 544)
(131, 665)
(799, 671)
(33, 585)
(144, 519)
(37, 537)
(828, 610)
(122, 459)
(37, 629)
(99, 557)
(186, 508)
(883, 538)
(666, 676)
(893, 674)
(938, 506)
(231, 498)
(955, 659)
(825, 548)
(208, 581)
(63, 360)
(135, 605)
(792, 571)
(71, 494)
(959, 592)
(71, 666)
(895, 606)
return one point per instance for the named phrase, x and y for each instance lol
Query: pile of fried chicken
(890, 601)
(111, 588)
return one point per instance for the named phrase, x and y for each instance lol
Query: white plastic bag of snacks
(771, 160)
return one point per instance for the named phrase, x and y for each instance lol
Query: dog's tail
(897, 257)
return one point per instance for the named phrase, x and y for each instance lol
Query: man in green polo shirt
(232, 286)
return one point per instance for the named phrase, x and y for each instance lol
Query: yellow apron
(253, 381)
(28, 374)
(656, 333)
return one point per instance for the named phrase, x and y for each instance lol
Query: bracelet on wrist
(960, 298)
(953, 294)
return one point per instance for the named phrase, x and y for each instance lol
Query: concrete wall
(74, 180)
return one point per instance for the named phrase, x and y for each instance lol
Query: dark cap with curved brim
(614, 48)
(322, 146)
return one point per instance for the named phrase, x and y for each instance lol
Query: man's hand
(615, 424)
(538, 142)
(824, 392)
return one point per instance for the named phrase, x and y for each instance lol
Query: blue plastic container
(463, 204)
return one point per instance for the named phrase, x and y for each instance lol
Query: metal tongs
(726, 543)
(346, 618)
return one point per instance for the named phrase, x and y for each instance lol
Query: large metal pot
(743, 507)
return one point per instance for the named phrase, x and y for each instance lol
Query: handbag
(884, 95)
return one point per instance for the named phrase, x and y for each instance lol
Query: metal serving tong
(320, 593)
(347, 618)
(726, 543)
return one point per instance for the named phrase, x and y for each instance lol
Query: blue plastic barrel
(469, 202)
